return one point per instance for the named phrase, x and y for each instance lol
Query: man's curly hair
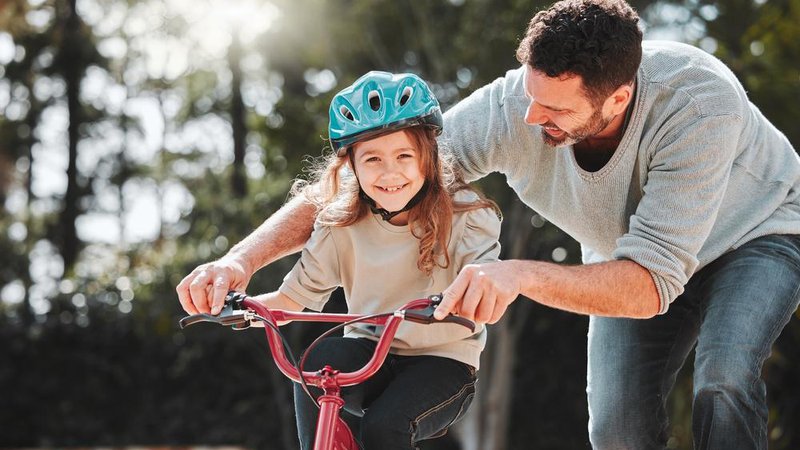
(599, 40)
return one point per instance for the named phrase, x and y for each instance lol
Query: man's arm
(283, 233)
(615, 289)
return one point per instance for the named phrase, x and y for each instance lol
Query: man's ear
(616, 103)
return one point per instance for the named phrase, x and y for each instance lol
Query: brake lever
(232, 314)
(425, 315)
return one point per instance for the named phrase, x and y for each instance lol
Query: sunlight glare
(13, 293)
(214, 22)
(7, 49)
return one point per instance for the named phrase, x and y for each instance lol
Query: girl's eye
(372, 159)
(405, 155)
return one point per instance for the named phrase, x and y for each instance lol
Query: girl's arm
(276, 300)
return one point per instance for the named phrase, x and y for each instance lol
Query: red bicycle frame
(332, 432)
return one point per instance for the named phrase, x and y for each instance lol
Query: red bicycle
(332, 432)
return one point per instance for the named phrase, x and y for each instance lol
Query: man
(685, 199)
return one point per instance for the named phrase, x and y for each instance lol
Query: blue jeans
(733, 310)
(410, 399)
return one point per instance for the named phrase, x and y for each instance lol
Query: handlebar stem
(329, 406)
(344, 379)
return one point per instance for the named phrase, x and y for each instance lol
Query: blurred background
(141, 138)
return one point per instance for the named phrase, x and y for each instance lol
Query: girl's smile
(391, 189)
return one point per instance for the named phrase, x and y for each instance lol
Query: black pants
(410, 399)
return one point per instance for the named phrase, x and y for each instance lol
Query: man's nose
(534, 115)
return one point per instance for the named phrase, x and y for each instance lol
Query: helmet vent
(407, 91)
(346, 112)
(374, 100)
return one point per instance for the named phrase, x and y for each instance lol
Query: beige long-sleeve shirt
(375, 263)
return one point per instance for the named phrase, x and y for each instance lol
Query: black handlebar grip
(232, 313)
(461, 321)
(426, 316)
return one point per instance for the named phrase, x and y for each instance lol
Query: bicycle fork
(332, 432)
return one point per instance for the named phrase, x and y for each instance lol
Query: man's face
(560, 107)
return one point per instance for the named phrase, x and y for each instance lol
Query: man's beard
(594, 125)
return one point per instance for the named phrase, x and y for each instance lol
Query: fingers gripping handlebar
(239, 311)
(235, 314)
(232, 313)
(426, 315)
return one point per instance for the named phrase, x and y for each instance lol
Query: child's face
(388, 169)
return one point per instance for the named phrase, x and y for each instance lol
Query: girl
(395, 223)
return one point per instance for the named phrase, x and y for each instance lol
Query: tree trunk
(31, 121)
(68, 242)
(239, 177)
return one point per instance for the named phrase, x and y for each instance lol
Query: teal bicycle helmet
(379, 102)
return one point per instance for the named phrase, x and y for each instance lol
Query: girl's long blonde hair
(334, 190)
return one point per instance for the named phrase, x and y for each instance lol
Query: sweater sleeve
(484, 130)
(687, 178)
(479, 242)
(316, 274)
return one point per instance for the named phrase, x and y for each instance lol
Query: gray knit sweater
(699, 170)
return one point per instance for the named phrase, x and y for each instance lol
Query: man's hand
(481, 292)
(204, 290)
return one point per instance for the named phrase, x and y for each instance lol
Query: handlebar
(239, 310)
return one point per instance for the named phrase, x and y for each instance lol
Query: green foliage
(760, 41)
(130, 378)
